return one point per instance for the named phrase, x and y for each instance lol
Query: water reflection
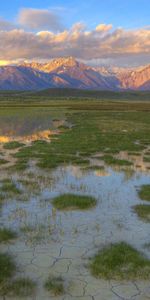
(26, 121)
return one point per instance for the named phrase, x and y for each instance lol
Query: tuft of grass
(7, 235)
(3, 161)
(21, 287)
(8, 186)
(110, 160)
(143, 211)
(7, 268)
(55, 285)
(71, 201)
(13, 145)
(144, 192)
(20, 165)
(93, 168)
(134, 153)
(2, 197)
(146, 159)
(63, 127)
(120, 262)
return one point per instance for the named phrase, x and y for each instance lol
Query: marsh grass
(63, 127)
(144, 192)
(72, 202)
(7, 269)
(37, 234)
(2, 197)
(120, 262)
(30, 185)
(21, 287)
(143, 211)
(9, 187)
(95, 130)
(134, 153)
(3, 161)
(6, 235)
(20, 166)
(13, 145)
(55, 285)
(93, 168)
(146, 159)
(110, 160)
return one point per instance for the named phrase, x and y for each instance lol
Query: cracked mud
(60, 243)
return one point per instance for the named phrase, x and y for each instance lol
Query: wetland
(74, 200)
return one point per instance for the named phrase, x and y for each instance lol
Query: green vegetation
(146, 159)
(7, 269)
(9, 187)
(94, 168)
(144, 192)
(7, 235)
(143, 211)
(2, 197)
(20, 166)
(55, 285)
(22, 287)
(63, 127)
(134, 153)
(107, 127)
(120, 262)
(3, 161)
(71, 201)
(13, 145)
(110, 160)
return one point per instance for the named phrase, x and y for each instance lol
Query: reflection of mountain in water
(23, 123)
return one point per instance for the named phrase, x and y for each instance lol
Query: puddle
(22, 123)
(61, 243)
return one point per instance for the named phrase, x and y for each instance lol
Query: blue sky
(102, 32)
(121, 13)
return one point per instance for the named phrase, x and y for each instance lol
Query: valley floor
(74, 200)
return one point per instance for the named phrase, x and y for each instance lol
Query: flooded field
(48, 246)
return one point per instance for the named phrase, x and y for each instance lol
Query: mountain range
(69, 73)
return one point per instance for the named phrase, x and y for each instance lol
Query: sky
(107, 32)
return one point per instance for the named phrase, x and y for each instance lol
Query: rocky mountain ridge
(69, 73)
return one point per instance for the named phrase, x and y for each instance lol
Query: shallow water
(61, 243)
(24, 121)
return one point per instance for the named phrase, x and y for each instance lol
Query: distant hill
(68, 94)
(69, 73)
(90, 94)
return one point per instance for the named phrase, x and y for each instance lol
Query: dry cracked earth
(57, 243)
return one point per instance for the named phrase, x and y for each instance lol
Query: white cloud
(39, 19)
(103, 27)
(102, 43)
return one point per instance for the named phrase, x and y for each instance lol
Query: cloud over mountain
(47, 39)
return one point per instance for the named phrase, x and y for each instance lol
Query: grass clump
(110, 160)
(7, 269)
(144, 192)
(3, 161)
(94, 168)
(13, 145)
(71, 201)
(143, 211)
(120, 261)
(21, 287)
(8, 186)
(134, 153)
(20, 165)
(7, 235)
(146, 159)
(55, 285)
